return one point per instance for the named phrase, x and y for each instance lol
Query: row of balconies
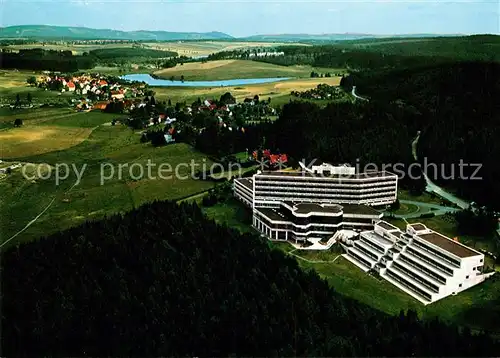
(434, 252)
(422, 267)
(402, 281)
(414, 276)
(325, 189)
(430, 260)
(325, 184)
(376, 246)
(362, 259)
(278, 193)
(244, 197)
(311, 179)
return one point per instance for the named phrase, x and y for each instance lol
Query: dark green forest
(124, 54)
(164, 280)
(382, 54)
(39, 59)
(460, 120)
(65, 61)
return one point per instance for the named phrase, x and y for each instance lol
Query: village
(92, 91)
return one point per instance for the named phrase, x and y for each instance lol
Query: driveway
(423, 208)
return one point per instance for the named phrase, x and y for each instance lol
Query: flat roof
(365, 175)
(305, 208)
(359, 209)
(448, 244)
(274, 214)
(246, 182)
(418, 227)
(386, 225)
(376, 237)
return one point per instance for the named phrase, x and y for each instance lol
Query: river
(143, 77)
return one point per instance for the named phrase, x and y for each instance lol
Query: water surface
(144, 77)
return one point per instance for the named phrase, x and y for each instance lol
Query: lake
(143, 77)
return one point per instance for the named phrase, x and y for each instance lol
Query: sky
(244, 17)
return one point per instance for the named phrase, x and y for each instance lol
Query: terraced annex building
(425, 264)
(304, 206)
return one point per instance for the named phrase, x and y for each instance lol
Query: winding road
(353, 92)
(432, 187)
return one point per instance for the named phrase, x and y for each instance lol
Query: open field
(185, 48)
(279, 92)
(232, 214)
(204, 48)
(60, 129)
(76, 49)
(233, 69)
(99, 155)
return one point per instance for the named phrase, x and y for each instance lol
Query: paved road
(423, 208)
(353, 92)
(432, 187)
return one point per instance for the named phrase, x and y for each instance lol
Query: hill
(477, 47)
(329, 37)
(163, 280)
(84, 33)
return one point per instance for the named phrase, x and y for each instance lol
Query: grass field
(22, 200)
(425, 198)
(234, 69)
(48, 131)
(77, 49)
(204, 48)
(279, 92)
(232, 214)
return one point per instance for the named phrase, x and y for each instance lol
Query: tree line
(163, 280)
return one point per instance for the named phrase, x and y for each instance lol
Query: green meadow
(114, 151)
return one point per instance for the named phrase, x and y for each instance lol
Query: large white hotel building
(317, 203)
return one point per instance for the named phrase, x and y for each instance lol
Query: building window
(481, 260)
(473, 269)
(467, 277)
(460, 285)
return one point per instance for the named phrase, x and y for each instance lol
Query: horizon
(243, 18)
(261, 34)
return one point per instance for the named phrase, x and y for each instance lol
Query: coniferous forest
(163, 280)
(459, 120)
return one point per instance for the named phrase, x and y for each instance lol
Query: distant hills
(332, 37)
(46, 32)
(83, 33)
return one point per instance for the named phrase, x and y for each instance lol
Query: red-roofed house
(103, 83)
(100, 105)
(71, 86)
(117, 94)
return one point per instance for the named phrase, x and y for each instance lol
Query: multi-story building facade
(425, 264)
(315, 203)
(370, 188)
(299, 222)
(324, 184)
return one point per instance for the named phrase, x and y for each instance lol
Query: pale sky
(244, 18)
